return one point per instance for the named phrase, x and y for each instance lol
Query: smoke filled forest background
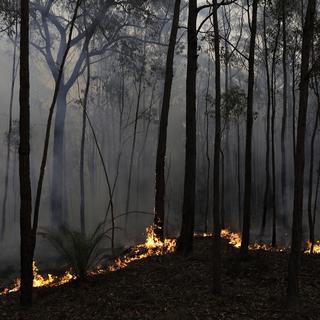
(159, 159)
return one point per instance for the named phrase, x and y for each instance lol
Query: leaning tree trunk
(57, 210)
(83, 140)
(24, 162)
(295, 254)
(185, 242)
(216, 270)
(159, 207)
(248, 158)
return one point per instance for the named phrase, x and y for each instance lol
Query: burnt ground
(174, 287)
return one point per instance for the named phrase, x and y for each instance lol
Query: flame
(316, 247)
(153, 246)
(41, 281)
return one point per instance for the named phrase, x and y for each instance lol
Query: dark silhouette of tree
(216, 166)
(185, 240)
(162, 137)
(248, 156)
(26, 255)
(295, 253)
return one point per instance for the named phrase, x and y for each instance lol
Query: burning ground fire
(152, 247)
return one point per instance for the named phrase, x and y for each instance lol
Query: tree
(185, 241)
(159, 207)
(216, 166)
(24, 161)
(248, 156)
(295, 253)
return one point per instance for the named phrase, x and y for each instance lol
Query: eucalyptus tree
(162, 137)
(108, 24)
(26, 256)
(295, 253)
(248, 157)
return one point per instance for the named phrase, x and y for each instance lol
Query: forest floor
(174, 287)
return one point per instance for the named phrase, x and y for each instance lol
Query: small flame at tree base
(42, 281)
(153, 246)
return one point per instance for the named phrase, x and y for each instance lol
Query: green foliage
(80, 251)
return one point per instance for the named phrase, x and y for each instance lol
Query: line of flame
(153, 246)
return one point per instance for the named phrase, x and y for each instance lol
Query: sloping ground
(173, 287)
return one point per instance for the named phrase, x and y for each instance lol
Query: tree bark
(185, 242)
(248, 158)
(82, 148)
(24, 162)
(162, 138)
(267, 169)
(216, 270)
(284, 112)
(295, 254)
(57, 210)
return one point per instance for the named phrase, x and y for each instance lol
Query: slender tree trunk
(294, 99)
(207, 154)
(284, 113)
(239, 173)
(316, 201)
(133, 147)
(24, 162)
(185, 242)
(48, 131)
(216, 270)
(162, 138)
(57, 209)
(248, 159)
(310, 191)
(267, 187)
(295, 254)
(6, 180)
(273, 147)
(83, 137)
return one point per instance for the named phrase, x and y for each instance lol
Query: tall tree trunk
(24, 161)
(284, 113)
(310, 191)
(133, 146)
(273, 147)
(207, 153)
(185, 242)
(6, 180)
(295, 254)
(248, 159)
(239, 172)
(83, 137)
(57, 210)
(294, 99)
(216, 270)
(162, 138)
(48, 131)
(267, 187)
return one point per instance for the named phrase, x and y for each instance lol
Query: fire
(316, 247)
(153, 246)
(41, 281)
